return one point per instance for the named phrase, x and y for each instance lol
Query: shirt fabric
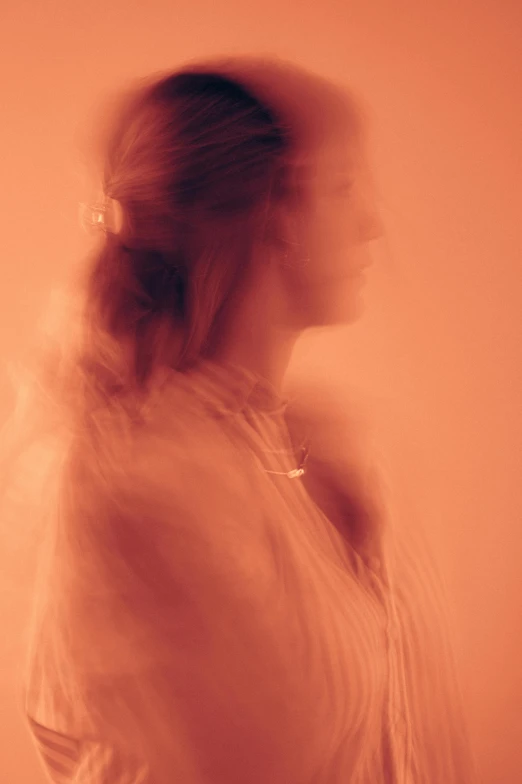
(205, 622)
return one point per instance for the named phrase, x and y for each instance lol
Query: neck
(249, 334)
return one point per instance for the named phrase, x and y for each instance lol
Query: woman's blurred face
(340, 221)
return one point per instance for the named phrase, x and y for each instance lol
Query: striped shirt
(207, 619)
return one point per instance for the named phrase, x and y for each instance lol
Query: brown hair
(192, 161)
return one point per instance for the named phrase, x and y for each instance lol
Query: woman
(216, 604)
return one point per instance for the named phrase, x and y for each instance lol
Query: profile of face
(339, 225)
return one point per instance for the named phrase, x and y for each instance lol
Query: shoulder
(176, 467)
(149, 513)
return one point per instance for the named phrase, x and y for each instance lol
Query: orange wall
(439, 346)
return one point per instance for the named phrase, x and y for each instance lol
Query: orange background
(437, 355)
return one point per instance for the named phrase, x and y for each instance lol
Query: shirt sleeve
(159, 637)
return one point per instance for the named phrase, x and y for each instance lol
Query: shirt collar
(230, 388)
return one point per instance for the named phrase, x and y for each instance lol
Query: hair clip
(106, 216)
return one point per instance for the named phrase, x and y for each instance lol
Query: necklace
(298, 472)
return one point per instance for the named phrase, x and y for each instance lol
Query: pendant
(302, 467)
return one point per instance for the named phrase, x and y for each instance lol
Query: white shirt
(204, 622)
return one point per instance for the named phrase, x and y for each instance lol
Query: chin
(342, 308)
(343, 312)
